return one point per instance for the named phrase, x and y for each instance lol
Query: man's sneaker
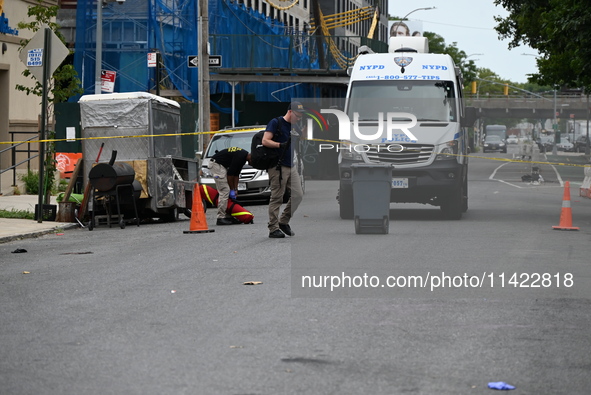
(285, 228)
(224, 221)
(276, 234)
(235, 221)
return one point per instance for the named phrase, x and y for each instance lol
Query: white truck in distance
(421, 92)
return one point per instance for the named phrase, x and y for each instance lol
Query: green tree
(437, 45)
(559, 30)
(436, 42)
(489, 83)
(65, 79)
(65, 83)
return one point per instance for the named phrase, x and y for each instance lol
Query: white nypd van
(405, 108)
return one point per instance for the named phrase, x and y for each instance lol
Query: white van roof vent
(406, 43)
(406, 50)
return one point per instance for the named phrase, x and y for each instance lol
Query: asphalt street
(151, 310)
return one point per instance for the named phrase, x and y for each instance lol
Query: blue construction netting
(246, 39)
(174, 29)
(243, 37)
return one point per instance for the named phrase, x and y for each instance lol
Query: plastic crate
(49, 212)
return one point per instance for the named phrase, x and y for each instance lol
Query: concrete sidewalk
(14, 229)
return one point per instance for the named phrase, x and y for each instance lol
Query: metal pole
(46, 57)
(233, 83)
(157, 71)
(204, 123)
(587, 141)
(99, 48)
(554, 149)
(406, 16)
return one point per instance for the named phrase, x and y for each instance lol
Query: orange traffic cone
(198, 220)
(566, 214)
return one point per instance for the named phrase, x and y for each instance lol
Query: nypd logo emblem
(403, 61)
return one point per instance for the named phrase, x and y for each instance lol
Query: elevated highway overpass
(494, 106)
(529, 107)
(487, 106)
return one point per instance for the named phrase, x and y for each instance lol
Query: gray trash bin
(372, 184)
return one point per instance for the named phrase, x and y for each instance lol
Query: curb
(34, 234)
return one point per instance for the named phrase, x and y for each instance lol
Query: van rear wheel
(465, 196)
(346, 202)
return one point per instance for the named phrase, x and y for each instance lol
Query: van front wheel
(452, 205)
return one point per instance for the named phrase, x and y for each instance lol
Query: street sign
(108, 81)
(32, 54)
(152, 58)
(214, 61)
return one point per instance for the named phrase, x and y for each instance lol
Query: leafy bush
(31, 180)
(61, 187)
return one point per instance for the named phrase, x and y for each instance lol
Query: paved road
(151, 310)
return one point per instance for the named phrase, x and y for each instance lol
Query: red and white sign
(66, 162)
(152, 59)
(108, 81)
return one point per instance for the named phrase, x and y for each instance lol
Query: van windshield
(427, 100)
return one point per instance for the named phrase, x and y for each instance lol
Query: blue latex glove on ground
(232, 194)
(499, 385)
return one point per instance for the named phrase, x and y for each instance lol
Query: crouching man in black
(225, 167)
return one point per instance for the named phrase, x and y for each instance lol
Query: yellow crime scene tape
(251, 129)
(127, 137)
(523, 161)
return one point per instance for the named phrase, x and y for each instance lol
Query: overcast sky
(471, 24)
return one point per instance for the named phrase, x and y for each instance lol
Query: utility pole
(99, 48)
(204, 123)
(98, 64)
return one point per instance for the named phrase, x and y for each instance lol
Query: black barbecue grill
(114, 184)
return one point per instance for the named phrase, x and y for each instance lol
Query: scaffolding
(242, 36)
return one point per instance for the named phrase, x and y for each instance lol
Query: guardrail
(523, 106)
(545, 97)
(13, 149)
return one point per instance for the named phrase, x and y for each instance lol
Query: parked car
(253, 184)
(512, 139)
(545, 143)
(494, 143)
(580, 144)
(565, 145)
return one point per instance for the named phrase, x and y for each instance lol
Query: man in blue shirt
(284, 176)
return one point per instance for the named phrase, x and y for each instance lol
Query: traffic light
(506, 90)
(473, 87)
